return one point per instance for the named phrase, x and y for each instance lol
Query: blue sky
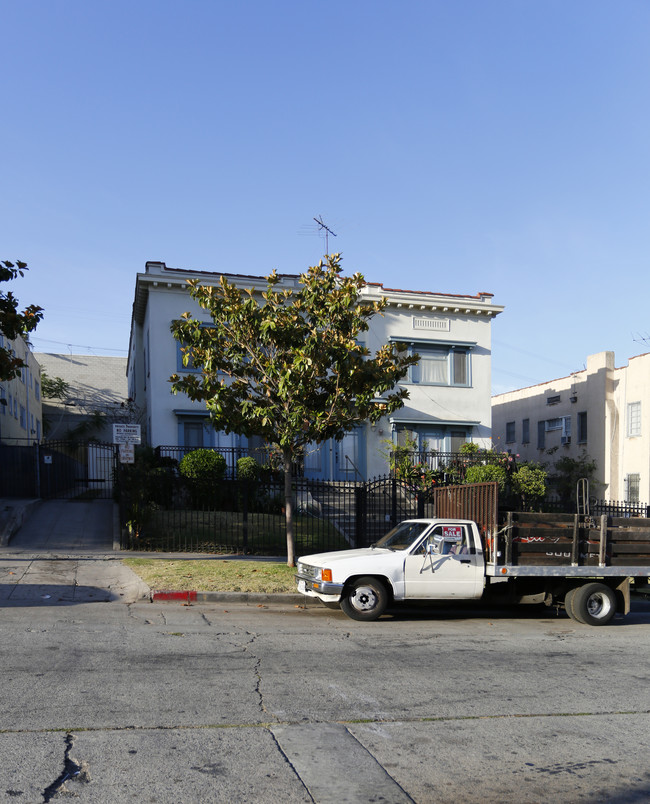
(455, 146)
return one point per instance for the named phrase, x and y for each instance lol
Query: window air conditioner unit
(565, 439)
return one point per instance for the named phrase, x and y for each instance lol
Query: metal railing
(618, 508)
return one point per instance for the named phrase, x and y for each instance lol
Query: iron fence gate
(58, 470)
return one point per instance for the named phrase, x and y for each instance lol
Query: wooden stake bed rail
(570, 540)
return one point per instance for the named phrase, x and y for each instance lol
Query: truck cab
(423, 559)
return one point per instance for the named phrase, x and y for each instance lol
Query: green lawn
(214, 575)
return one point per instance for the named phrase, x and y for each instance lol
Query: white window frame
(633, 419)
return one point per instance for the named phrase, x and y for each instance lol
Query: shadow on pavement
(640, 613)
(26, 594)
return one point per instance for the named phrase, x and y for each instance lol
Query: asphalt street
(238, 702)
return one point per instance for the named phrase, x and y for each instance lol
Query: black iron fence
(237, 516)
(58, 470)
(162, 511)
(618, 508)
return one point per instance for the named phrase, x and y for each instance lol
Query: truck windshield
(402, 536)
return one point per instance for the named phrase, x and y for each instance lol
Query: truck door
(445, 565)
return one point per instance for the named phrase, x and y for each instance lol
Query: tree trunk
(288, 510)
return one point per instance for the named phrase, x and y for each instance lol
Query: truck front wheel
(364, 599)
(593, 604)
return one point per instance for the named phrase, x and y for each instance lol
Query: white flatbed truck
(582, 564)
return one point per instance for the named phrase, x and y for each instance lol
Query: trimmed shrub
(203, 470)
(203, 464)
(487, 474)
(248, 469)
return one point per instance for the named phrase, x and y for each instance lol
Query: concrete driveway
(62, 553)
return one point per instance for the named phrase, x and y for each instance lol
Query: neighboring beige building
(96, 397)
(21, 415)
(601, 411)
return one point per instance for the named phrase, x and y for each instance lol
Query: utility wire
(80, 345)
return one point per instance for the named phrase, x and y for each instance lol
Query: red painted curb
(188, 597)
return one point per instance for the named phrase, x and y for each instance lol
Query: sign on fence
(126, 433)
(127, 453)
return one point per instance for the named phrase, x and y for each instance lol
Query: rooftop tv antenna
(323, 228)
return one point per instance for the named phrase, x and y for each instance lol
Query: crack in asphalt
(257, 669)
(71, 769)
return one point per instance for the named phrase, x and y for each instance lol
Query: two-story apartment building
(449, 389)
(21, 415)
(602, 412)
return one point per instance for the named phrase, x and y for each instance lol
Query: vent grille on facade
(440, 324)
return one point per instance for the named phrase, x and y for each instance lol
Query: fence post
(245, 491)
(393, 501)
(360, 514)
(37, 471)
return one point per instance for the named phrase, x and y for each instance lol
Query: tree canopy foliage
(14, 323)
(286, 364)
(53, 387)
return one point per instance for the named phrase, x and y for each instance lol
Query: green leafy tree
(488, 473)
(566, 472)
(53, 387)
(13, 323)
(286, 365)
(529, 483)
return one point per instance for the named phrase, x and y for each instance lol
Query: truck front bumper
(325, 590)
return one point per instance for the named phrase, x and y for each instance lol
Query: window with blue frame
(179, 360)
(193, 434)
(441, 364)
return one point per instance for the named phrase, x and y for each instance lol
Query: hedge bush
(203, 464)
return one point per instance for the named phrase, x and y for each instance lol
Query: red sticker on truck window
(454, 532)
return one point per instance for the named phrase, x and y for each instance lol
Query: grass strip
(214, 575)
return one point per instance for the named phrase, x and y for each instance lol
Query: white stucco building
(601, 411)
(449, 389)
(21, 412)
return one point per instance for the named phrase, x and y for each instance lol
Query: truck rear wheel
(593, 604)
(364, 599)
